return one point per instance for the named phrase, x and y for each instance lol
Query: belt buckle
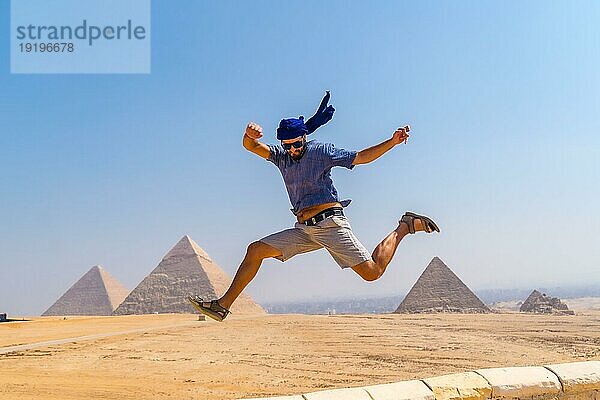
(313, 220)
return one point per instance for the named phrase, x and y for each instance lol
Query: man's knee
(370, 275)
(368, 270)
(260, 250)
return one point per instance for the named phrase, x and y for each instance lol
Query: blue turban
(291, 128)
(294, 127)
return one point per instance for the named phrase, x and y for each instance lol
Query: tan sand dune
(583, 303)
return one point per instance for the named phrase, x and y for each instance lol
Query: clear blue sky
(503, 98)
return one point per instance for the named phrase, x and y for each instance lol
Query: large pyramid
(96, 293)
(438, 289)
(185, 269)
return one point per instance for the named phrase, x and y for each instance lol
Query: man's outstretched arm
(372, 153)
(251, 143)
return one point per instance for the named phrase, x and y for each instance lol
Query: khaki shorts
(333, 233)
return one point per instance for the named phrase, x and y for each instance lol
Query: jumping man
(305, 167)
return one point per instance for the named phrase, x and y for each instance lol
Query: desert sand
(178, 357)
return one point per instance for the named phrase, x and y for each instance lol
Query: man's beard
(299, 155)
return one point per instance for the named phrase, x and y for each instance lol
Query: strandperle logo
(80, 36)
(85, 31)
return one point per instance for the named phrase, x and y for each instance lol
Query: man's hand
(254, 130)
(374, 152)
(251, 143)
(401, 135)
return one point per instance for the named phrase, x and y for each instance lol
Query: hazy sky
(503, 98)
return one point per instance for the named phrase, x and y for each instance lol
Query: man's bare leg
(384, 252)
(256, 253)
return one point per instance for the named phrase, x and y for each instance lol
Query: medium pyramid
(438, 289)
(186, 269)
(95, 293)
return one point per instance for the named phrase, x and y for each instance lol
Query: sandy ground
(177, 357)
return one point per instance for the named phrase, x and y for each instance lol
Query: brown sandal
(209, 308)
(409, 219)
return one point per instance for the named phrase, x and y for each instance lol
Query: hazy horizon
(554, 291)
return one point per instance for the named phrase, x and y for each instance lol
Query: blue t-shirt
(308, 180)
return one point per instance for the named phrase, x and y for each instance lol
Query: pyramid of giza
(438, 289)
(541, 303)
(96, 293)
(185, 269)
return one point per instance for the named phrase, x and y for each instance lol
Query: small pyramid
(540, 303)
(95, 293)
(438, 289)
(529, 303)
(186, 269)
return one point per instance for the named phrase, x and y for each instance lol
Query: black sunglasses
(297, 144)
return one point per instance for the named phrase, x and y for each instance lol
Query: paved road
(29, 346)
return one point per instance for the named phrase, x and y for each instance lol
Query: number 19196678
(47, 47)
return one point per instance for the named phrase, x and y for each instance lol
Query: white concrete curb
(406, 390)
(572, 381)
(522, 382)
